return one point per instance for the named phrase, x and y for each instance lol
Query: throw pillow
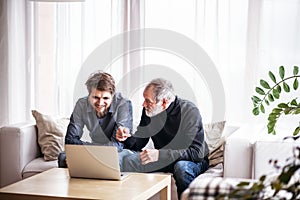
(51, 134)
(215, 141)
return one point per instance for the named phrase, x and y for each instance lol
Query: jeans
(184, 171)
(62, 160)
(122, 154)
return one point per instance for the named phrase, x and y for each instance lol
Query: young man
(175, 126)
(105, 113)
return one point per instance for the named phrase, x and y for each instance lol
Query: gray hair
(162, 89)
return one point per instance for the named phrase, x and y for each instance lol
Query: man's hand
(149, 155)
(122, 134)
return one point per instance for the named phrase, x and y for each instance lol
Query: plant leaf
(286, 177)
(295, 71)
(267, 102)
(260, 91)
(243, 183)
(279, 88)
(272, 116)
(275, 93)
(270, 97)
(276, 185)
(277, 110)
(272, 76)
(262, 108)
(264, 84)
(272, 120)
(294, 102)
(273, 132)
(256, 99)
(271, 129)
(255, 111)
(295, 84)
(297, 111)
(288, 111)
(281, 72)
(297, 130)
(286, 87)
(283, 105)
(262, 178)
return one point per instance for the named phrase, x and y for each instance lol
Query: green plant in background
(268, 92)
(285, 185)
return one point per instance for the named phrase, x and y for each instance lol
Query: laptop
(96, 162)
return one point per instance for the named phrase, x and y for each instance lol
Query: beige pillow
(215, 141)
(216, 157)
(51, 134)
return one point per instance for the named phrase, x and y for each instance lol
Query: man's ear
(165, 103)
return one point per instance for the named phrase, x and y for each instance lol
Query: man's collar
(171, 106)
(112, 107)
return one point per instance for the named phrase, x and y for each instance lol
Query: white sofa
(20, 154)
(21, 157)
(246, 157)
(252, 148)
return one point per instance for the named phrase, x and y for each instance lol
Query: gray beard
(155, 111)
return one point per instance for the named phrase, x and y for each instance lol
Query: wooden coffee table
(56, 184)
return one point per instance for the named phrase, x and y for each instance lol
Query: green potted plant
(268, 92)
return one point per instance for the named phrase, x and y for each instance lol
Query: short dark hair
(102, 81)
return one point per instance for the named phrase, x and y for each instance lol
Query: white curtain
(3, 63)
(15, 62)
(68, 34)
(244, 38)
(44, 45)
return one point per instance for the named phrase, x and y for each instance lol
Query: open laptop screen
(88, 161)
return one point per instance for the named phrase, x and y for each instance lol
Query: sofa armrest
(18, 146)
(238, 149)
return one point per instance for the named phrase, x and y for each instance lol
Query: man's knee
(181, 168)
(123, 154)
(131, 162)
(189, 168)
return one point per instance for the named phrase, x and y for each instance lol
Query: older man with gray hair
(175, 127)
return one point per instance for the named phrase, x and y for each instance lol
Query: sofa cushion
(38, 165)
(266, 151)
(213, 134)
(238, 148)
(210, 187)
(51, 133)
(215, 139)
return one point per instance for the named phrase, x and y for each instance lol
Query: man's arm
(124, 124)
(189, 143)
(72, 136)
(75, 127)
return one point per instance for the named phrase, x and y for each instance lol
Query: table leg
(165, 193)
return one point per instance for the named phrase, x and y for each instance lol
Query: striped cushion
(210, 187)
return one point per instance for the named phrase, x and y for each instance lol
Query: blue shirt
(102, 131)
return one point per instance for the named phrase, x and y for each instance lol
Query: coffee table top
(57, 183)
